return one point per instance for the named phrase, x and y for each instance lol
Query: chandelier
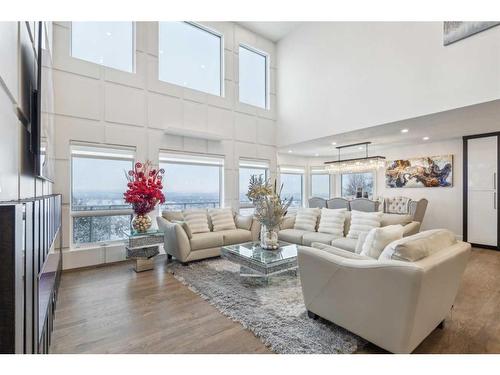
(363, 164)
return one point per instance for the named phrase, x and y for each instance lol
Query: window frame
(96, 213)
(264, 165)
(267, 93)
(295, 171)
(314, 171)
(190, 155)
(209, 30)
(134, 49)
(374, 175)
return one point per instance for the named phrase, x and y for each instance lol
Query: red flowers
(144, 188)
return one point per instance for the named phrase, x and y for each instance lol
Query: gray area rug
(274, 312)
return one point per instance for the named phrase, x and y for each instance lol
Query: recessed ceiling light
(290, 151)
(202, 66)
(404, 130)
(425, 138)
(334, 143)
(108, 33)
(360, 147)
(316, 154)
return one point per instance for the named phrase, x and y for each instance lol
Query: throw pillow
(197, 220)
(361, 242)
(363, 222)
(332, 221)
(244, 221)
(222, 219)
(184, 226)
(378, 238)
(419, 246)
(306, 219)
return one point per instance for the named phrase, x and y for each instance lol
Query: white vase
(268, 238)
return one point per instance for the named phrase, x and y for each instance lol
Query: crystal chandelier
(362, 164)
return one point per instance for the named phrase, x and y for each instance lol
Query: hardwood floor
(114, 310)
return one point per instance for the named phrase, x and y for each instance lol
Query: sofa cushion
(235, 236)
(197, 220)
(243, 221)
(361, 241)
(201, 241)
(172, 215)
(222, 219)
(419, 246)
(363, 222)
(292, 235)
(378, 238)
(344, 243)
(310, 237)
(334, 250)
(307, 219)
(392, 219)
(332, 221)
(184, 226)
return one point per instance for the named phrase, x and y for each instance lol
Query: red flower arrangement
(144, 188)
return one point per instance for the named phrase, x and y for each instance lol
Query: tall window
(252, 77)
(192, 181)
(106, 43)
(355, 184)
(99, 213)
(249, 168)
(190, 56)
(320, 183)
(292, 180)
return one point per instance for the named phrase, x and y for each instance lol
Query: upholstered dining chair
(316, 202)
(364, 204)
(337, 203)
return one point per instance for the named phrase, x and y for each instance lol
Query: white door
(482, 191)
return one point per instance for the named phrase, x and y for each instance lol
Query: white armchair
(393, 304)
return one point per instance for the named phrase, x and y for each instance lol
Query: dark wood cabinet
(30, 268)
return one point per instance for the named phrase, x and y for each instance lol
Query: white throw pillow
(222, 219)
(419, 245)
(363, 222)
(378, 238)
(306, 219)
(361, 242)
(197, 220)
(332, 221)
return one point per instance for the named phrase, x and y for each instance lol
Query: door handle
(494, 200)
(495, 180)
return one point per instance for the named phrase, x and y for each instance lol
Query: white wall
(107, 106)
(336, 77)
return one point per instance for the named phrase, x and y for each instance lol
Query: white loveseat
(287, 232)
(394, 304)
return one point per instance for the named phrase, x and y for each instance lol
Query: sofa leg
(441, 325)
(312, 315)
(169, 257)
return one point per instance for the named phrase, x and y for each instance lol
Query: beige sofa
(392, 303)
(186, 247)
(287, 232)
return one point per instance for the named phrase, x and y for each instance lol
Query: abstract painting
(457, 30)
(430, 171)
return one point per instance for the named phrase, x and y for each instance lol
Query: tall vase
(268, 238)
(141, 223)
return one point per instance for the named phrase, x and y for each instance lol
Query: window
(249, 168)
(190, 56)
(352, 183)
(106, 43)
(252, 77)
(98, 181)
(320, 183)
(292, 180)
(192, 181)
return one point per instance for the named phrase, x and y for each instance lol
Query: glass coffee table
(256, 262)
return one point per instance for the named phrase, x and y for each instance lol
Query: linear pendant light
(366, 163)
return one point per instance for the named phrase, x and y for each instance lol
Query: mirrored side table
(143, 247)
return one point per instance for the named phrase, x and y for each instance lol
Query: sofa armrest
(176, 241)
(411, 228)
(288, 222)
(340, 252)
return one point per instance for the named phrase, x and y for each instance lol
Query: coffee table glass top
(251, 251)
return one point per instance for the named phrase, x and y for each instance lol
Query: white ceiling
(475, 119)
(271, 30)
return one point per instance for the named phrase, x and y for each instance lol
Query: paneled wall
(106, 106)
(16, 177)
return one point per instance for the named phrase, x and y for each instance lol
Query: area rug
(274, 312)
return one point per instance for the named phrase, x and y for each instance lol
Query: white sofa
(186, 247)
(287, 232)
(392, 303)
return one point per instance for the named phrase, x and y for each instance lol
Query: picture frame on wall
(421, 172)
